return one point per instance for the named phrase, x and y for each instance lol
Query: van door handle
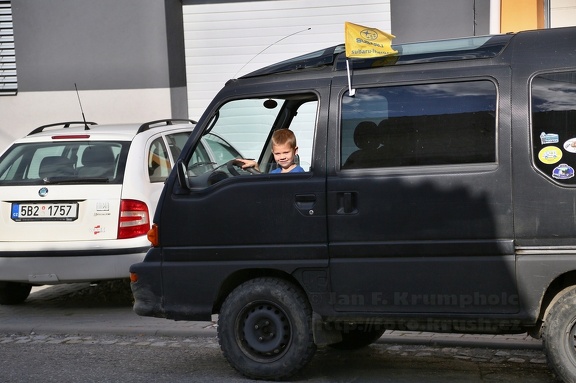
(306, 202)
(347, 203)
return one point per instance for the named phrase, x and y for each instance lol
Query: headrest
(366, 135)
(52, 166)
(97, 155)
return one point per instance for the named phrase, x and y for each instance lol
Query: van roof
(429, 51)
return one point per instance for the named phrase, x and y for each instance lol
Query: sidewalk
(81, 309)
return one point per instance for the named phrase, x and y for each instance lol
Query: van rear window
(419, 125)
(554, 126)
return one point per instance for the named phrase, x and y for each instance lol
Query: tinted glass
(419, 125)
(554, 126)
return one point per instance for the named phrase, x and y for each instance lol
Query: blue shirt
(297, 169)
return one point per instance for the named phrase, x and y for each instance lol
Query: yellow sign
(364, 42)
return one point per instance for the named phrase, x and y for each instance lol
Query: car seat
(367, 139)
(55, 166)
(97, 161)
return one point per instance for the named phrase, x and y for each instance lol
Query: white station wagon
(76, 201)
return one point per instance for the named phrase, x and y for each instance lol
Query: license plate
(54, 211)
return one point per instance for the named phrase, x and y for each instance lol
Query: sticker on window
(550, 155)
(570, 145)
(563, 172)
(549, 138)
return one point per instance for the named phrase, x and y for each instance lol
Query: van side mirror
(182, 175)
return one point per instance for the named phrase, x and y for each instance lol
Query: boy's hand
(248, 163)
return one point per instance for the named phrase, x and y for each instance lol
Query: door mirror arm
(182, 176)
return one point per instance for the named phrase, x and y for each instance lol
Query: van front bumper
(146, 288)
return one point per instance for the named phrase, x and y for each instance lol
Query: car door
(231, 224)
(419, 194)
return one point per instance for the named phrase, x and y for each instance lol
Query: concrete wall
(417, 20)
(126, 57)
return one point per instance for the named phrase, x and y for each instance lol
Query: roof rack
(464, 48)
(63, 124)
(157, 123)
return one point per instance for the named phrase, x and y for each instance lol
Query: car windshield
(64, 162)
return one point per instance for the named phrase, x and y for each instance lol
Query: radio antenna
(274, 43)
(82, 110)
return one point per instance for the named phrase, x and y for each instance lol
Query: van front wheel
(265, 329)
(559, 335)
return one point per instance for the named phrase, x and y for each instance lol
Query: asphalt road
(78, 333)
(198, 359)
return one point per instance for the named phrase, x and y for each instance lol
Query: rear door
(44, 192)
(419, 194)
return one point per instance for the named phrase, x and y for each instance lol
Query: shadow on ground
(115, 293)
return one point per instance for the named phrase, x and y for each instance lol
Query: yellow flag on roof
(365, 42)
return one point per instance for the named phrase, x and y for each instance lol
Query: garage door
(562, 13)
(228, 39)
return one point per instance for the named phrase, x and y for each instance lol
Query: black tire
(559, 335)
(358, 336)
(13, 293)
(265, 329)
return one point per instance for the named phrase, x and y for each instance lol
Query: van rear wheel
(559, 335)
(13, 293)
(265, 329)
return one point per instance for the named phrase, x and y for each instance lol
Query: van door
(236, 222)
(419, 193)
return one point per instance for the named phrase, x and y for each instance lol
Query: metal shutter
(228, 40)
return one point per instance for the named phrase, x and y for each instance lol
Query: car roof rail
(157, 123)
(62, 124)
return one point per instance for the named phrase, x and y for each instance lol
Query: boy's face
(284, 155)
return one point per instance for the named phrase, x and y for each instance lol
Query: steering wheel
(230, 165)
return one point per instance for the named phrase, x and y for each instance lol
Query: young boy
(284, 150)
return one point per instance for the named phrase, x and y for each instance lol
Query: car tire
(13, 293)
(559, 335)
(361, 335)
(265, 329)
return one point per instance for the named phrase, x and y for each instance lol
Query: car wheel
(12, 293)
(361, 335)
(559, 335)
(265, 329)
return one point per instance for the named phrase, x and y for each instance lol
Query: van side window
(243, 128)
(554, 126)
(419, 125)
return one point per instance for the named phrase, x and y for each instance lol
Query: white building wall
(22, 113)
(228, 40)
(562, 13)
